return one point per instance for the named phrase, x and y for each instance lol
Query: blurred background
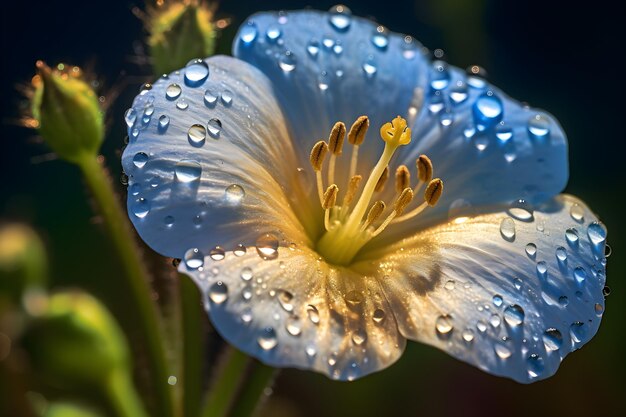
(554, 55)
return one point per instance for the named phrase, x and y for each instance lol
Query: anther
(382, 180)
(403, 178)
(318, 154)
(353, 186)
(424, 168)
(375, 211)
(330, 197)
(357, 132)
(433, 192)
(403, 200)
(336, 138)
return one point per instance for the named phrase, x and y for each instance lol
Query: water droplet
(458, 94)
(240, 250)
(487, 111)
(340, 17)
(217, 253)
(563, 301)
(246, 273)
(218, 293)
(531, 250)
(332, 359)
(227, 97)
(504, 133)
(552, 339)
(444, 325)
(561, 254)
(446, 118)
(502, 350)
(267, 340)
(338, 48)
(468, 335)
(436, 104)
(215, 128)
(182, 104)
(168, 221)
(313, 48)
(248, 33)
(542, 269)
(380, 37)
(449, 285)
(514, 315)
(172, 380)
(194, 259)
(140, 159)
(409, 47)
(539, 127)
(285, 299)
(495, 320)
(354, 298)
(130, 116)
(578, 331)
(497, 300)
(599, 309)
(359, 337)
(310, 351)
(597, 234)
(440, 77)
(210, 98)
(507, 229)
(287, 62)
(234, 193)
(521, 210)
(164, 122)
(378, 316)
(571, 235)
(481, 326)
(188, 171)
(580, 275)
(272, 33)
(172, 92)
(267, 246)
(196, 135)
(577, 213)
(535, 365)
(196, 72)
(369, 66)
(517, 283)
(246, 315)
(141, 207)
(293, 326)
(476, 76)
(469, 132)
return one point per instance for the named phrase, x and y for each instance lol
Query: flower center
(348, 227)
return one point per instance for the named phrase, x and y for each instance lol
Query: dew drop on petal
(458, 93)
(267, 246)
(495, 320)
(599, 309)
(597, 234)
(378, 316)
(514, 315)
(130, 116)
(215, 128)
(354, 298)
(248, 33)
(313, 314)
(497, 300)
(571, 235)
(552, 339)
(359, 337)
(246, 292)
(580, 275)
(578, 331)
(542, 269)
(293, 326)
(272, 33)
(227, 97)
(502, 349)
(246, 315)
(285, 299)
(182, 104)
(504, 134)
(521, 210)
(287, 62)
(210, 98)
(507, 229)
(449, 285)
(535, 365)
(380, 37)
(340, 17)
(481, 326)
(188, 171)
(561, 254)
(234, 193)
(168, 221)
(370, 67)
(140, 159)
(313, 48)
(310, 351)
(444, 325)
(194, 259)
(440, 76)
(577, 213)
(468, 335)
(539, 127)
(141, 207)
(196, 135)
(172, 92)
(164, 122)
(267, 340)
(196, 72)
(240, 250)
(218, 293)
(563, 301)
(246, 273)
(217, 253)
(531, 250)
(487, 111)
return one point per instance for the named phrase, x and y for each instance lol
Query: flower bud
(67, 112)
(75, 342)
(180, 31)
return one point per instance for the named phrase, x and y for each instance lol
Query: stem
(227, 381)
(122, 395)
(136, 276)
(252, 394)
(192, 345)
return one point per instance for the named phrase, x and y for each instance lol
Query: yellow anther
(403, 200)
(356, 136)
(335, 140)
(433, 191)
(353, 186)
(403, 178)
(382, 180)
(395, 132)
(330, 197)
(424, 168)
(375, 211)
(318, 153)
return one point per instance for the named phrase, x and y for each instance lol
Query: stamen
(424, 168)
(375, 211)
(353, 186)
(431, 197)
(335, 145)
(403, 178)
(382, 180)
(356, 136)
(330, 198)
(400, 204)
(318, 153)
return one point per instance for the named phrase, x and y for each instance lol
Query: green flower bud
(23, 263)
(180, 31)
(75, 342)
(67, 112)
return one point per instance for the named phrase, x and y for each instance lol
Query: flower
(227, 172)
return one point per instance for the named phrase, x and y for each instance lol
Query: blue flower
(308, 259)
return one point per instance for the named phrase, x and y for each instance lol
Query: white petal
(297, 311)
(509, 296)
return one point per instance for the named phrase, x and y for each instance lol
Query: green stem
(226, 383)
(122, 396)
(135, 279)
(192, 345)
(253, 392)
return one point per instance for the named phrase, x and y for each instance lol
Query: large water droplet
(487, 111)
(597, 234)
(196, 135)
(246, 273)
(542, 269)
(188, 171)
(196, 72)
(378, 316)
(504, 134)
(514, 315)
(140, 159)
(287, 62)
(130, 116)
(172, 92)
(468, 335)
(502, 349)
(141, 208)
(535, 365)
(458, 94)
(578, 332)
(571, 235)
(359, 337)
(340, 17)
(267, 246)
(215, 128)
(234, 193)
(561, 254)
(293, 325)
(272, 33)
(440, 77)
(577, 213)
(539, 127)
(267, 340)
(248, 33)
(227, 97)
(218, 293)
(182, 104)
(210, 98)
(507, 229)
(217, 253)
(164, 122)
(313, 314)
(497, 300)
(552, 339)
(521, 210)
(531, 250)
(444, 325)
(580, 275)
(194, 259)
(240, 250)
(380, 37)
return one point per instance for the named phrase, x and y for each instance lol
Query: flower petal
(509, 296)
(329, 67)
(487, 147)
(207, 160)
(295, 311)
